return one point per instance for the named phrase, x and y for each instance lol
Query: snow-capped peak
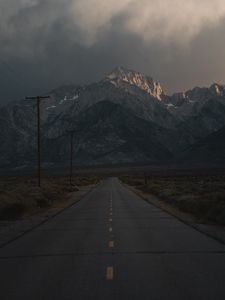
(121, 76)
(217, 89)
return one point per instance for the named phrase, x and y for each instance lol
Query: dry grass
(202, 196)
(21, 196)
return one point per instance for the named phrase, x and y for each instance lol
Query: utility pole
(71, 133)
(71, 158)
(38, 99)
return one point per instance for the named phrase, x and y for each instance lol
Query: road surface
(113, 245)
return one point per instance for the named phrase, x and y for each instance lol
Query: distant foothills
(126, 118)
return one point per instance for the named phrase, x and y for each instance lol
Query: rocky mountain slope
(210, 150)
(124, 118)
(191, 102)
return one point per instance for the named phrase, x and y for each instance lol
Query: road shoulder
(12, 230)
(214, 231)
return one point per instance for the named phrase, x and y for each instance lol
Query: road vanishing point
(113, 245)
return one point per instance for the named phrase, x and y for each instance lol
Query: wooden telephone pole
(71, 158)
(38, 99)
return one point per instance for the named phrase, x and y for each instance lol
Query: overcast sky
(48, 43)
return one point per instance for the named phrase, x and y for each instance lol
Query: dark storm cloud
(46, 43)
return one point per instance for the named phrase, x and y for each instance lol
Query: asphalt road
(113, 245)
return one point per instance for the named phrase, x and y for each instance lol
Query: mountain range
(124, 118)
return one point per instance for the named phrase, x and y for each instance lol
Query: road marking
(109, 273)
(111, 199)
(110, 229)
(110, 220)
(110, 213)
(111, 244)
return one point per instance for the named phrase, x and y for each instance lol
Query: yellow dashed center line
(109, 270)
(109, 273)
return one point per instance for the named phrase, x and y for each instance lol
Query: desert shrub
(168, 193)
(20, 195)
(43, 202)
(12, 211)
(202, 196)
(217, 214)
